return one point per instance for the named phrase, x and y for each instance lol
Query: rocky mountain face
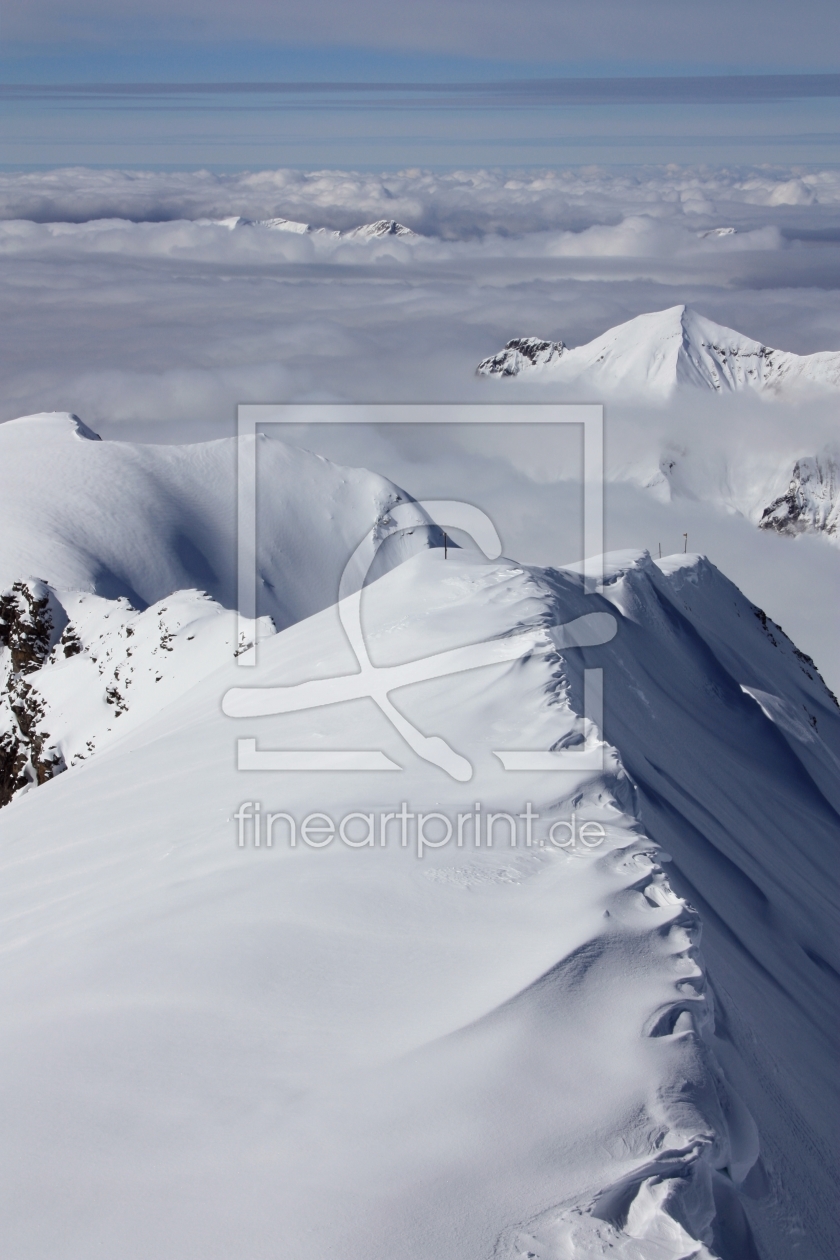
(77, 671)
(31, 625)
(811, 503)
(520, 354)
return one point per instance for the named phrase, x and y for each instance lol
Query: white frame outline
(589, 415)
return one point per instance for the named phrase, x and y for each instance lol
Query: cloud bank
(452, 204)
(129, 305)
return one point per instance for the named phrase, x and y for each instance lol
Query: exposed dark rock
(519, 352)
(31, 622)
(811, 502)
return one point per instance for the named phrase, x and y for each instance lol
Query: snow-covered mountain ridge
(142, 521)
(525, 1029)
(536, 1024)
(366, 231)
(655, 354)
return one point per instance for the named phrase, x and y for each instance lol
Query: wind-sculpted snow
(416, 1049)
(463, 1049)
(115, 518)
(566, 1081)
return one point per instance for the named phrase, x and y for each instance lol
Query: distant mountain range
(367, 231)
(655, 354)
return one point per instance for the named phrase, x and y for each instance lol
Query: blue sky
(49, 42)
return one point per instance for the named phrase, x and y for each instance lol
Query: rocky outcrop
(811, 503)
(77, 671)
(31, 623)
(520, 353)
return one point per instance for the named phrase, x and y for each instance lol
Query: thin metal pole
(685, 544)
(445, 548)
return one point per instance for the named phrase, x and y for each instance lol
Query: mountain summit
(653, 354)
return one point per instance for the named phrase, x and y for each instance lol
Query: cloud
(155, 330)
(164, 326)
(407, 93)
(461, 203)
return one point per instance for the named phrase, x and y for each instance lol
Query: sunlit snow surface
(366, 1052)
(361, 1053)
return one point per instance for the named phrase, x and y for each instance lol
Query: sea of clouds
(126, 301)
(455, 204)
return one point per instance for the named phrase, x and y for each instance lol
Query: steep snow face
(116, 518)
(811, 503)
(653, 355)
(486, 1049)
(384, 1050)
(746, 800)
(460, 1048)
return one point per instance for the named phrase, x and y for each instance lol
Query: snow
(423, 1049)
(655, 354)
(117, 518)
(811, 501)
(382, 227)
(460, 992)
(558, 1050)
(657, 357)
(113, 667)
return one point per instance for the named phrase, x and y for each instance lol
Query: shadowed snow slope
(143, 521)
(652, 355)
(366, 1053)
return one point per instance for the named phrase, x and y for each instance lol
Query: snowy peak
(365, 231)
(382, 227)
(659, 352)
(142, 521)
